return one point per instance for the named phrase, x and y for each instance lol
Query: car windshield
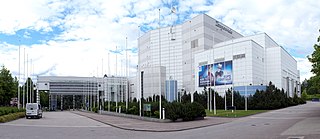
(31, 106)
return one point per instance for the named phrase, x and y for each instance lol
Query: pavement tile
(140, 125)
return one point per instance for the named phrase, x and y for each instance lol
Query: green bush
(95, 109)
(199, 110)
(156, 113)
(173, 110)
(304, 95)
(133, 110)
(11, 116)
(7, 110)
(185, 111)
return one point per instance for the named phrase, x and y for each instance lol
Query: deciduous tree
(8, 86)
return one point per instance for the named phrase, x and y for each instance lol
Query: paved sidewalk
(139, 125)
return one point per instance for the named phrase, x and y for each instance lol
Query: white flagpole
(24, 77)
(225, 97)
(210, 91)
(19, 79)
(31, 85)
(160, 94)
(108, 91)
(245, 63)
(139, 75)
(208, 94)
(27, 79)
(126, 75)
(116, 74)
(102, 100)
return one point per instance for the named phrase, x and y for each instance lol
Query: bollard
(163, 113)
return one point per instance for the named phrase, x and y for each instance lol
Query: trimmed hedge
(8, 110)
(11, 116)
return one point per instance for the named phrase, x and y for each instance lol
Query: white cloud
(93, 27)
(304, 66)
(92, 35)
(290, 23)
(16, 15)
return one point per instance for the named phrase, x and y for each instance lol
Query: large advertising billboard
(215, 74)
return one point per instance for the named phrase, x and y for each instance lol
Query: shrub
(304, 95)
(7, 110)
(95, 109)
(133, 110)
(199, 110)
(173, 111)
(191, 111)
(11, 116)
(185, 111)
(156, 113)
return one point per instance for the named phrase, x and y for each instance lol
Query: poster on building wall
(215, 74)
(223, 73)
(205, 75)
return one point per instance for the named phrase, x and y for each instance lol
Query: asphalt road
(295, 122)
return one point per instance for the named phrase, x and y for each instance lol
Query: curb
(149, 130)
(148, 119)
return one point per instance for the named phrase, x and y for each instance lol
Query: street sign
(146, 107)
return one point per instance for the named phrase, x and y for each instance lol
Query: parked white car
(33, 110)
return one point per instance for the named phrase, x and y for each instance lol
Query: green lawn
(236, 113)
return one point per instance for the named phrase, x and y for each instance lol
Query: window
(31, 106)
(194, 43)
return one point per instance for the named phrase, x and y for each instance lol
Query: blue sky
(76, 38)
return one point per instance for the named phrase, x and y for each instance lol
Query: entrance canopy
(67, 85)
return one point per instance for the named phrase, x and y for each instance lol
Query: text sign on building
(215, 74)
(222, 27)
(239, 56)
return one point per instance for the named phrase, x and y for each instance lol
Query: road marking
(278, 118)
(296, 137)
(25, 125)
(291, 112)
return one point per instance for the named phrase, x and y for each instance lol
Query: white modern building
(108, 88)
(247, 64)
(178, 52)
(178, 44)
